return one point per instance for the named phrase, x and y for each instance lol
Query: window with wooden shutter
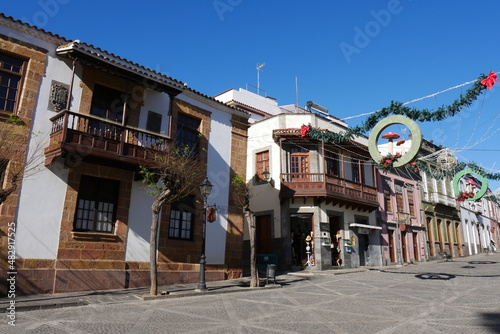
(261, 164)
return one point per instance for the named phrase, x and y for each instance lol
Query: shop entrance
(336, 237)
(300, 226)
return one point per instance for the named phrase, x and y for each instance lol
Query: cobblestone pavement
(462, 296)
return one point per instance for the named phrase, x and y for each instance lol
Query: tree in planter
(174, 174)
(242, 195)
(14, 165)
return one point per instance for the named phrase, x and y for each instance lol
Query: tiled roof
(118, 61)
(108, 57)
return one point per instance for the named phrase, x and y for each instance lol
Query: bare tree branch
(242, 195)
(14, 165)
(174, 174)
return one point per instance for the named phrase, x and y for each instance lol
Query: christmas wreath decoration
(388, 121)
(466, 195)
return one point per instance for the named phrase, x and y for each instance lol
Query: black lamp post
(205, 189)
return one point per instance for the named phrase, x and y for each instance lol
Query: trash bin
(271, 273)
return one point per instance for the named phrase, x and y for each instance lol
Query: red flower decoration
(303, 130)
(490, 80)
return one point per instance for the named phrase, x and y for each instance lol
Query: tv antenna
(259, 68)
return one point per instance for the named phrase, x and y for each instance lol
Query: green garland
(397, 108)
(424, 115)
(439, 175)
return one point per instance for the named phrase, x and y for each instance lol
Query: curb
(193, 293)
(43, 306)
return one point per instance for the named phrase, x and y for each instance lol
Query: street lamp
(205, 190)
(267, 175)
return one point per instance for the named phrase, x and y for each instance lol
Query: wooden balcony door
(299, 164)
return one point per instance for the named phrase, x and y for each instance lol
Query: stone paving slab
(435, 297)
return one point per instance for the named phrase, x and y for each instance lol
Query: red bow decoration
(303, 130)
(489, 80)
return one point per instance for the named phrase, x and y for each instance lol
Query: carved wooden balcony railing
(84, 137)
(333, 189)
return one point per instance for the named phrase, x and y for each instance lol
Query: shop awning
(365, 226)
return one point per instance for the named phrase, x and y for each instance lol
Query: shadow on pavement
(435, 276)
(482, 262)
(419, 274)
(491, 321)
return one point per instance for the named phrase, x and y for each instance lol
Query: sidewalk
(71, 299)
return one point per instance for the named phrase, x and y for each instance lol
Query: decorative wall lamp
(267, 177)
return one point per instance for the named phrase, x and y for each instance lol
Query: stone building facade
(83, 222)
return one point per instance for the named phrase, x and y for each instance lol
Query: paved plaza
(460, 296)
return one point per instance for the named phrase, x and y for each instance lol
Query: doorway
(416, 247)
(364, 242)
(264, 234)
(301, 226)
(392, 249)
(430, 233)
(404, 245)
(336, 240)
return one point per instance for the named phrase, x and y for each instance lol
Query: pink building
(403, 235)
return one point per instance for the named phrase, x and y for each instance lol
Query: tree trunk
(158, 202)
(254, 273)
(152, 250)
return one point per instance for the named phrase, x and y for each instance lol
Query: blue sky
(352, 57)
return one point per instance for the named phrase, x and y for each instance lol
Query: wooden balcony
(332, 189)
(78, 137)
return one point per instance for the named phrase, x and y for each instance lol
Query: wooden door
(430, 234)
(416, 246)
(392, 249)
(404, 245)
